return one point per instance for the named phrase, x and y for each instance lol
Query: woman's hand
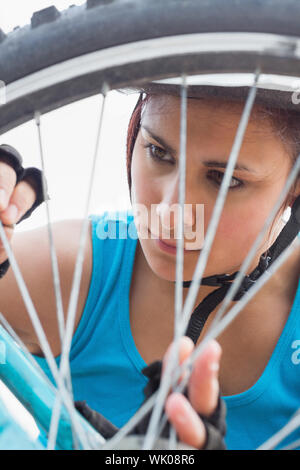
(15, 201)
(203, 392)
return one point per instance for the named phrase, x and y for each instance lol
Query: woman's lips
(168, 246)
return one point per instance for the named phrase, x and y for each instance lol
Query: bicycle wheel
(60, 62)
(86, 50)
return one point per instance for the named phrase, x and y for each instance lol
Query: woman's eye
(217, 178)
(157, 153)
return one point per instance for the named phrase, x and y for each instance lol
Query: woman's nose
(169, 216)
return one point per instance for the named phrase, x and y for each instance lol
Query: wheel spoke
(252, 252)
(131, 423)
(41, 335)
(239, 306)
(292, 424)
(66, 346)
(23, 347)
(80, 254)
(57, 291)
(231, 315)
(54, 264)
(167, 377)
(151, 434)
(185, 368)
(292, 446)
(213, 224)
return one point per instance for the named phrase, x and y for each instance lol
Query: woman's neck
(152, 302)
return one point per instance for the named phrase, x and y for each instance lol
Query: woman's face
(261, 172)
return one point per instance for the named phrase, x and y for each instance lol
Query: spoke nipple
(37, 117)
(105, 89)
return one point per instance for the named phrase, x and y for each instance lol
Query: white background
(69, 141)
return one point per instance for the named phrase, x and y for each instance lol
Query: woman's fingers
(189, 427)
(7, 184)
(203, 392)
(203, 387)
(15, 201)
(185, 349)
(20, 202)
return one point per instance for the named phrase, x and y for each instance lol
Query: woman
(125, 312)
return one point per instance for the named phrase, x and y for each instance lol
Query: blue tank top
(106, 365)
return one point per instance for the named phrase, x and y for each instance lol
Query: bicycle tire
(270, 30)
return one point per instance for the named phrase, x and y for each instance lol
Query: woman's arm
(32, 251)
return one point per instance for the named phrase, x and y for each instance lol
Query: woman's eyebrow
(219, 164)
(160, 140)
(207, 163)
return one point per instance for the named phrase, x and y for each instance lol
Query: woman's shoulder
(114, 237)
(113, 249)
(112, 227)
(113, 216)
